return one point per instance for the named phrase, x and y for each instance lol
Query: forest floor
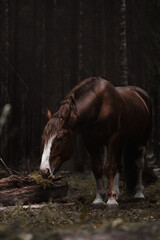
(73, 217)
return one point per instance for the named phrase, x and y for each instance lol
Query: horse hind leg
(140, 166)
(116, 185)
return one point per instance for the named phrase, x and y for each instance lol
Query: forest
(47, 47)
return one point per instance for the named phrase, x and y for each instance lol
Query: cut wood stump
(26, 190)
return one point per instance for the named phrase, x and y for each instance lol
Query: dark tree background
(47, 46)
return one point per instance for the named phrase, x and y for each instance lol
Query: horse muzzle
(55, 165)
(45, 173)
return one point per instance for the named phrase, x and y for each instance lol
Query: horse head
(57, 145)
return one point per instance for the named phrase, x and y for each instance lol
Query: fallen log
(26, 190)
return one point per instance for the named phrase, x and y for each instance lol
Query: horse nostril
(45, 173)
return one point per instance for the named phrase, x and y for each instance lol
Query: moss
(45, 183)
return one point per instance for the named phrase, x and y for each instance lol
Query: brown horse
(116, 117)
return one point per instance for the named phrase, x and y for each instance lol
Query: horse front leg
(140, 166)
(100, 192)
(116, 185)
(117, 176)
(97, 169)
(111, 171)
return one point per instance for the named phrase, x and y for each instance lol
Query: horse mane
(83, 88)
(67, 111)
(68, 108)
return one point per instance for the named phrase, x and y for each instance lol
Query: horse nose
(45, 173)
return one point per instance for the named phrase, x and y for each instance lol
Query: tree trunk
(25, 189)
(123, 45)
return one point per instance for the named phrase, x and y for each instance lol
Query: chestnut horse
(116, 117)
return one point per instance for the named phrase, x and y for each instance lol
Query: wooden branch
(25, 189)
(5, 166)
(5, 112)
(36, 206)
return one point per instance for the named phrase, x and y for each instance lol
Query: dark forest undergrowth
(73, 217)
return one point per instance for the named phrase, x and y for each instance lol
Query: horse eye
(59, 139)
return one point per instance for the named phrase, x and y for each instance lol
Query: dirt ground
(73, 217)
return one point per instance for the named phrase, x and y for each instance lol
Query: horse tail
(132, 152)
(149, 176)
(148, 104)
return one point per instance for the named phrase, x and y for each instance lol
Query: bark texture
(25, 189)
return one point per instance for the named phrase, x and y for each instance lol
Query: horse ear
(48, 114)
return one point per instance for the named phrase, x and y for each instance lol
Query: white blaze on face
(46, 154)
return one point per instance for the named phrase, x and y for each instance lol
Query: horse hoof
(112, 202)
(98, 202)
(139, 195)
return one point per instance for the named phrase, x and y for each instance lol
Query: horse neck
(85, 113)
